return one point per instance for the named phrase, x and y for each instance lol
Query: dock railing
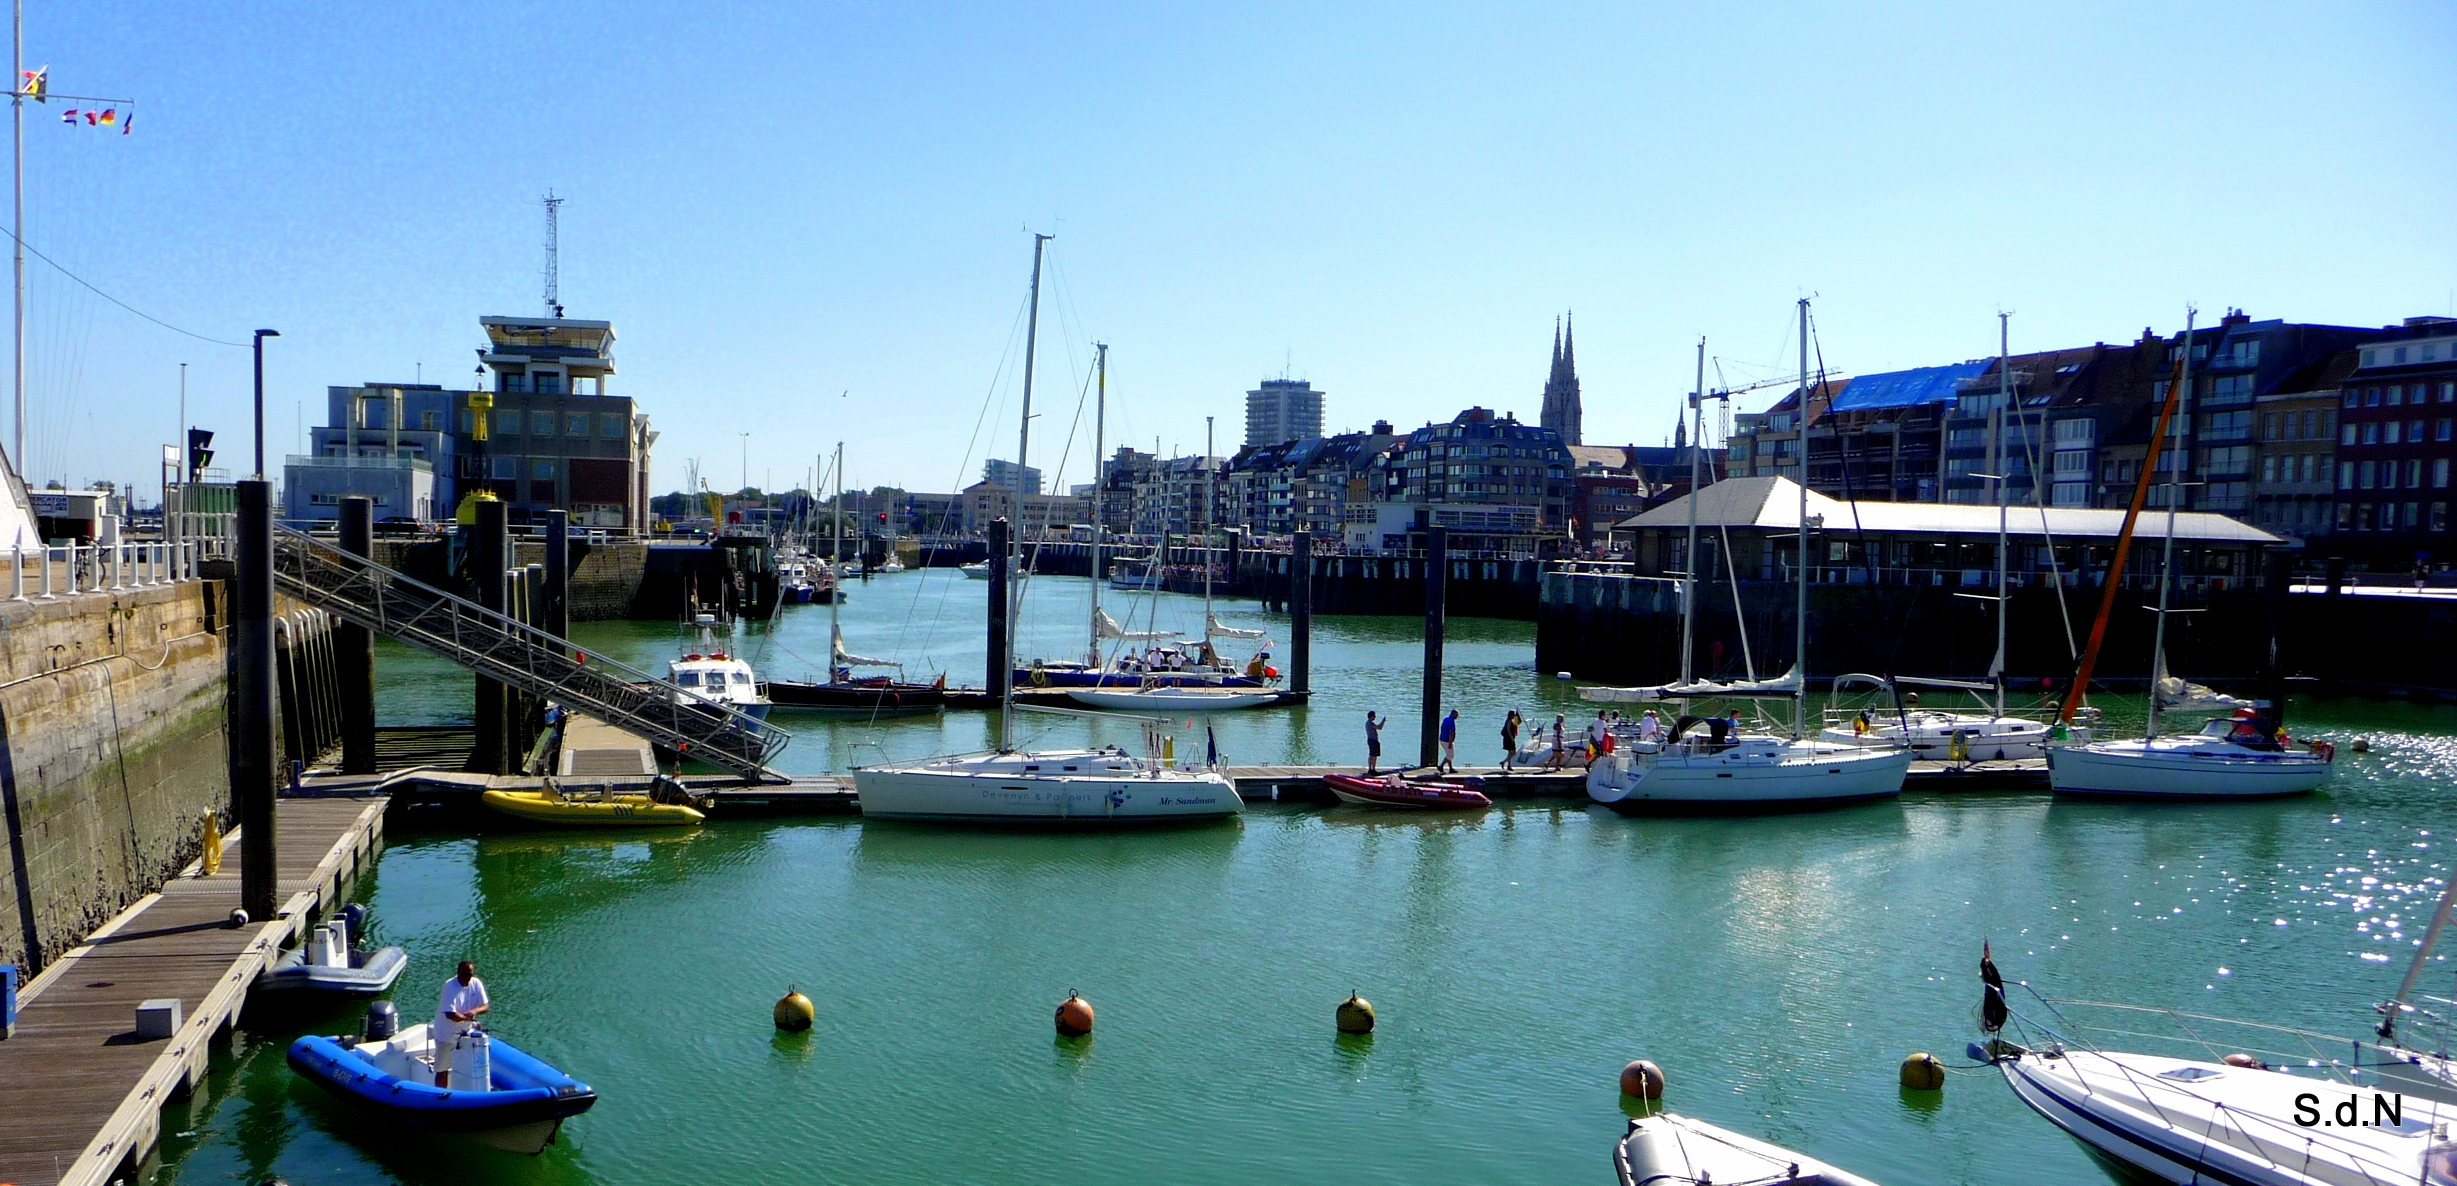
(63, 570)
(514, 653)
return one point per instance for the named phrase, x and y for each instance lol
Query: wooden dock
(81, 1094)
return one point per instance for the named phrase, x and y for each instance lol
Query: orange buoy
(1074, 1016)
(1922, 1072)
(1642, 1080)
(2244, 1060)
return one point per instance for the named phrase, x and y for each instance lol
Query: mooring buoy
(1642, 1080)
(1074, 1016)
(1922, 1072)
(794, 1012)
(1355, 1015)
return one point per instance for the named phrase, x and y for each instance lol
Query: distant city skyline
(824, 238)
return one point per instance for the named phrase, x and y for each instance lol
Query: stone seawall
(114, 743)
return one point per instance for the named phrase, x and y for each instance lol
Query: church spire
(1561, 408)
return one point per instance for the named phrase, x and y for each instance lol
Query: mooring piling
(252, 698)
(1437, 580)
(354, 649)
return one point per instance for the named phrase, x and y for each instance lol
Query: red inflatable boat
(1393, 791)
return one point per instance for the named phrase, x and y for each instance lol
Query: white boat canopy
(1109, 628)
(845, 658)
(1787, 684)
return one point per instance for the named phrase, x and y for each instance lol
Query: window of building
(506, 468)
(2397, 394)
(469, 422)
(2346, 515)
(2269, 426)
(2312, 469)
(549, 382)
(2413, 516)
(2371, 434)
(2367, 474)
(2439, 516)
(610, 425)
(2401, 356)
(2346, 475)
(2414, 432)
(2269, 469)
(2371, 397)
(2414, 474)
(542, 468)
(2448, 393)
(428, 420)
(2079, 430)
(2350, 398)
(2347, 435)
(2231, 389)
(2388, 433)
(2439, 473)
(576, 424)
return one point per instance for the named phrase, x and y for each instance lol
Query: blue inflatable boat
(495, 1093)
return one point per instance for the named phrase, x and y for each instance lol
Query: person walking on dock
(457, 1009)
(1450, 744)
(1373, 743)
(1559, 754)
(1510, 740)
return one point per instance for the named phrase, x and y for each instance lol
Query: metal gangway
(518, 655)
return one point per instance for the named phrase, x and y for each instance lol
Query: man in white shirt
(1650, 727)
(456, 1012)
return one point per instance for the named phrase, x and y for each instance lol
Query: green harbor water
(1778, 968)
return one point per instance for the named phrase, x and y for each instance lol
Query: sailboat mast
(1100, 443)
(836, 566)
(1996, 465)
(1015, 527)
(1800, 617)
(1206, 553)
(2166, 560)
(1689, 575)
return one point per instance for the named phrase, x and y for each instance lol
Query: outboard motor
(354, 916)
(383, 1021)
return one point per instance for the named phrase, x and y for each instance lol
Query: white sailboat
(2403, 1063)
(1713, 771)
(1072, 786)
(1151, 692)
(2242, 757)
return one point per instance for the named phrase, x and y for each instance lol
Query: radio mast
(554, 267)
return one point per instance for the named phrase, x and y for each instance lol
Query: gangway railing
(516, 654)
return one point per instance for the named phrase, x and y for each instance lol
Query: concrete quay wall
(114, 743)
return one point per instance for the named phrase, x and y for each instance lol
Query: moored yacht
(706, 673)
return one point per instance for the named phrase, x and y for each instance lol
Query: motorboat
(705, 673)
(1394, 791)
(1667, 1149)
(329, 961)
(2228, 759)
(1172, 698)
(1703, 767)
(1062, 786)
(500, 1095)
(600, 807)
(1070, 786)
(978, 570)
(891, 564)
(793, 583)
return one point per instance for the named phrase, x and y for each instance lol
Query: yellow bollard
(212, 862)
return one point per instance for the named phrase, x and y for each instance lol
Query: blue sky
(807, 222)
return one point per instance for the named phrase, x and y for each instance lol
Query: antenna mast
(554, 266)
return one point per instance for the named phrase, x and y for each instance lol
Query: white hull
(978, 572)
(1169, 699)
(2195, 1122)
(1754, 772)
(1061, 786)
(2182, 768)
(2429, 1076)
(1930, 736)
(1669, 1149)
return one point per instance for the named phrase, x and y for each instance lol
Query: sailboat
(2245, 755)
(1934, 734)
(1708, 768)
(1167, 689)
(843, 691)
(1070, 786)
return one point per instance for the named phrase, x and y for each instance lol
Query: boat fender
(1922, 1072)
(383, 1021)
(2240, 1059)
(1642, 1080)
(794, 1012)
(238, 918)
(1354, 1015)
(1074, 1016)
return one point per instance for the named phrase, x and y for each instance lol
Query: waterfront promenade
(81, 1093)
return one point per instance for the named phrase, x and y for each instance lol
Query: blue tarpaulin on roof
(1905, 389)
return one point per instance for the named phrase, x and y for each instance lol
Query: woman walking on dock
(1510, 739)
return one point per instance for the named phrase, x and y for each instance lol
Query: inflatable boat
(497, 1094)
(329, 962)
(1394, 791)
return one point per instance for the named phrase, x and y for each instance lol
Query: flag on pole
(110, 116)
(69, 116)
(92, 117)
(35, 84)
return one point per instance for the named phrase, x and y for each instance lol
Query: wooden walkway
(80, 1095)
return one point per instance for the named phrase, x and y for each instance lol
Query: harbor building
(1006, 473)
(1283, 410)
(553, 438)
(2397, 441)
(1301, 485)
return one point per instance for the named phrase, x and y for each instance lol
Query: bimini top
(1773, 503)
(1906, 389)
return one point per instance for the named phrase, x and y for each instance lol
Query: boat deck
(81, 1093)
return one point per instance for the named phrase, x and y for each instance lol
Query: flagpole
(17, 237)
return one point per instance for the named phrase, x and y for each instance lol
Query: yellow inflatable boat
(617, 810)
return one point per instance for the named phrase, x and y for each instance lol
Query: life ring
(1959, 749)
(1040, 678)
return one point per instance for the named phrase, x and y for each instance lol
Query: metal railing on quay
(514, 653)
(69, 569)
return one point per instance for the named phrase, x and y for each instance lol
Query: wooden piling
(1437, 581)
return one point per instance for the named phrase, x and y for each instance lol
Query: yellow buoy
(1642, 1080)
(1074, 1016)
(794, 1012)
(1922, 1072)
(1355, 1015)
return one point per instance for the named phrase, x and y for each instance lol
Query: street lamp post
(261, 335)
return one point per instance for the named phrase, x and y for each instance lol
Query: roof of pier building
(1773, 504)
